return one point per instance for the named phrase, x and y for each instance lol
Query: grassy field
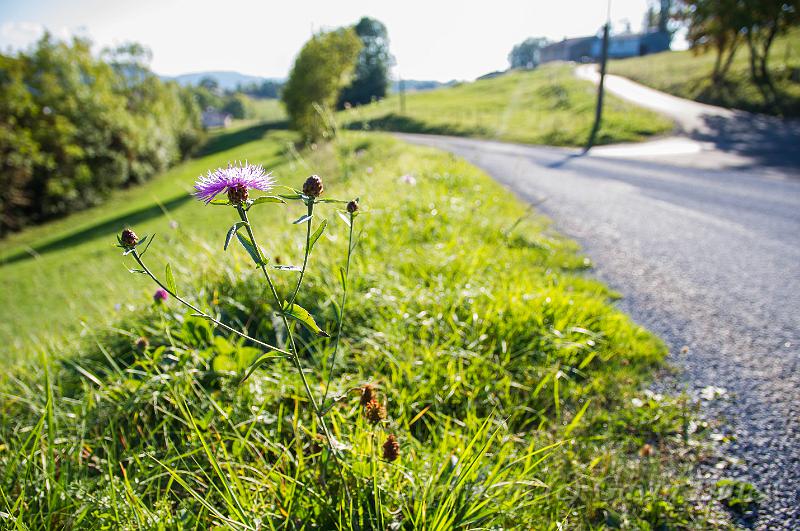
(513, 385)
(688, 75)
(266, 110)
(546, 106)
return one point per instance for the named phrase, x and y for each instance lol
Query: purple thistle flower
(160, 296)
(235, 177)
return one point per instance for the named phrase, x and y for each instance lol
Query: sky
(430, 39)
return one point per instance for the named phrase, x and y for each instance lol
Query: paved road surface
(706, 136)
(707, 259)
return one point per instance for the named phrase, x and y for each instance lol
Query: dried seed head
(391, 448)
(352, 206)
(142, 343)
(646, 450)
(367, 395)
(313, 186)
(374, 411)
(129, 239)
(237, 194)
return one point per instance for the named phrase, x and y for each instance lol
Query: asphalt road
(708, 259)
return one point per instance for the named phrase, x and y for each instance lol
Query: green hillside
(688, 74)
(545, 106)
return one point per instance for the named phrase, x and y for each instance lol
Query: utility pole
(598, 114)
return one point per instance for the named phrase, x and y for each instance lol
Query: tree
(526, 53)
(714, 24)
(236, 106)
(323, 66)
(371, 79)
(722, 24)
(210, 84)
(73, 127)
(763, 22)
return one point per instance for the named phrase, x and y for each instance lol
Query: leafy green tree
(764, 21)
(371, 79)
(723, 24)
(714, 25)
(526, 53)
(322, 68)
(236, 105)
(73, 127)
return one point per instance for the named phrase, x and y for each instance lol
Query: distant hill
(227, 80)
(416, 85)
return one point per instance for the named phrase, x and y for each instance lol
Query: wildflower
(374, 411)
(235, 180)
(391, 448)
(313, 186)
(369, 170)
(142, 343)
(160, 296)
(352, 206)
(367, 395)
(408, 179)
(128, 239)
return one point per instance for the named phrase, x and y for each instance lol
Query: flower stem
(201, 313)
(294, 356)
(332, 360)
(308, 250)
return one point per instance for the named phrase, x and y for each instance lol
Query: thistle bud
(313, 186)
(391, 448)
(367, 395)
(160, 296)
(352, 206)
(237, 194)
(128, 239)
(374, 411)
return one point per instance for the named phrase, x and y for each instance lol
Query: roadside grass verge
(546, 106)
(688, 75)
(514, 386)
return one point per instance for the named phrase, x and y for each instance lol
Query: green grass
(688, 75)
(266, 110)
(508, 375)
(546, 106)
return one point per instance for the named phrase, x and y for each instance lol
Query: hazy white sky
(431, 39)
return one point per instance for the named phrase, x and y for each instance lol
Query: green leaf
(258, 363)
(146, 247)
(345, 217)
(220, 202)
(301, 315)
(291, 197)
(343, 277)
(267, 199)
(317, 234)
(236, 226)
(302, 219)
(251, 249)
(331, 201)
(170, 280)
(224, 363)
